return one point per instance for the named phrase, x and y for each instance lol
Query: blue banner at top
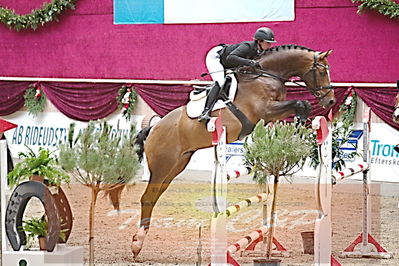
(201, 11)
(138, 11)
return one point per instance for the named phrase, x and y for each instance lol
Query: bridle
(315, 91)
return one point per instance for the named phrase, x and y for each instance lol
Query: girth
(247, 126)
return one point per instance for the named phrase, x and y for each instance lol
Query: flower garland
(35, 100)
(340, 135)
(38, 17)
(386, 7)
(127, 98)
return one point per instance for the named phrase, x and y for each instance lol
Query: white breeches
(216, 70)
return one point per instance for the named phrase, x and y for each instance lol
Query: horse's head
(292, 60)
(395, 115)
(317, 79)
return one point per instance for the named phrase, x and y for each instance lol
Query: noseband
(317, 90)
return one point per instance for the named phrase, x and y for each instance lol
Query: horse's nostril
(332, 102)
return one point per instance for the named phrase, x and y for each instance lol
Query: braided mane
(286, 47)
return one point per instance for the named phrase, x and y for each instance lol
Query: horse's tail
(140, 138)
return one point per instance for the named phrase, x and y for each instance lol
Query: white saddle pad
(197, 103)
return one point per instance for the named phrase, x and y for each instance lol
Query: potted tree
(37, 167)
(103, 159)
(273, 151)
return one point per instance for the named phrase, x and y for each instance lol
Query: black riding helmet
(264, 34)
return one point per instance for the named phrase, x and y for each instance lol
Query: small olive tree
(273, 151)
(101, 158)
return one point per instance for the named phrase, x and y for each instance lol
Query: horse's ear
(325, 54)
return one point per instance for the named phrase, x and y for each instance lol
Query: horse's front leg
(280, 110)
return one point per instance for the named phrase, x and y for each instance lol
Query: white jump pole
(323, 186)
(369, 247)
(219, 191)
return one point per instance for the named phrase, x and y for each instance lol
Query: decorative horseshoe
(16, 208)
(64, 210)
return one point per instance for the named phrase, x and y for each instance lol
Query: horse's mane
(285, 47)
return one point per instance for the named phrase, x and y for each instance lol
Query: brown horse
(395, 115)
(174, 139)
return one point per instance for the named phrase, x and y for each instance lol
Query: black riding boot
(210, 102)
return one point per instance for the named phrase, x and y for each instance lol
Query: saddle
(198, 99)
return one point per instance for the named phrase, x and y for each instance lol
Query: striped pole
(350, 171)
(237, 173)
(245, 203)
(248, 239)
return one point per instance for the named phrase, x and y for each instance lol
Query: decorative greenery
(386, 7)
(42, 164)
(37, 227)
(38, 17)
(127, 98)
(340, 135)
(35, 100)
(100, 158)
(277, 150)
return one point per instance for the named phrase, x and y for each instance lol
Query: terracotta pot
(308, 242)
(42, 242)
(37, 178)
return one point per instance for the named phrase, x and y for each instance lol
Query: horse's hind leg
(157, 185)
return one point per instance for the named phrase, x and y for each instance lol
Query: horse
(170, 143)
(395, 115)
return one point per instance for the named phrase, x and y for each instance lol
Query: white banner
(211, 11)
(48, 129)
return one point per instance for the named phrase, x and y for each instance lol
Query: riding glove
(254, 64)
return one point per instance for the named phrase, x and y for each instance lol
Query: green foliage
(127, 99)
(34, 104)
(386, 7)
(42, 164)
(340, 136)
(276, 150)
(38, 17)
(37, 227)
(100, 154)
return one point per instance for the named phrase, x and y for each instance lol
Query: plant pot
(267, 262)
(42, 242)
(308, 242)
(37, 178)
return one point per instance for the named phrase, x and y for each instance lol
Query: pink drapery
(91, 101)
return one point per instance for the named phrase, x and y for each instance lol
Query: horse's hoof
(135, 250)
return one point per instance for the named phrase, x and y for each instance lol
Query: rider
(231, 56)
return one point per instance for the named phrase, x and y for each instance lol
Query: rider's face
(264, 45)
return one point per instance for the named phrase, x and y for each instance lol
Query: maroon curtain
(381, 101)
(300, 93)
(164, 98)
(91, 101)
(12, 96)
(83, 101)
